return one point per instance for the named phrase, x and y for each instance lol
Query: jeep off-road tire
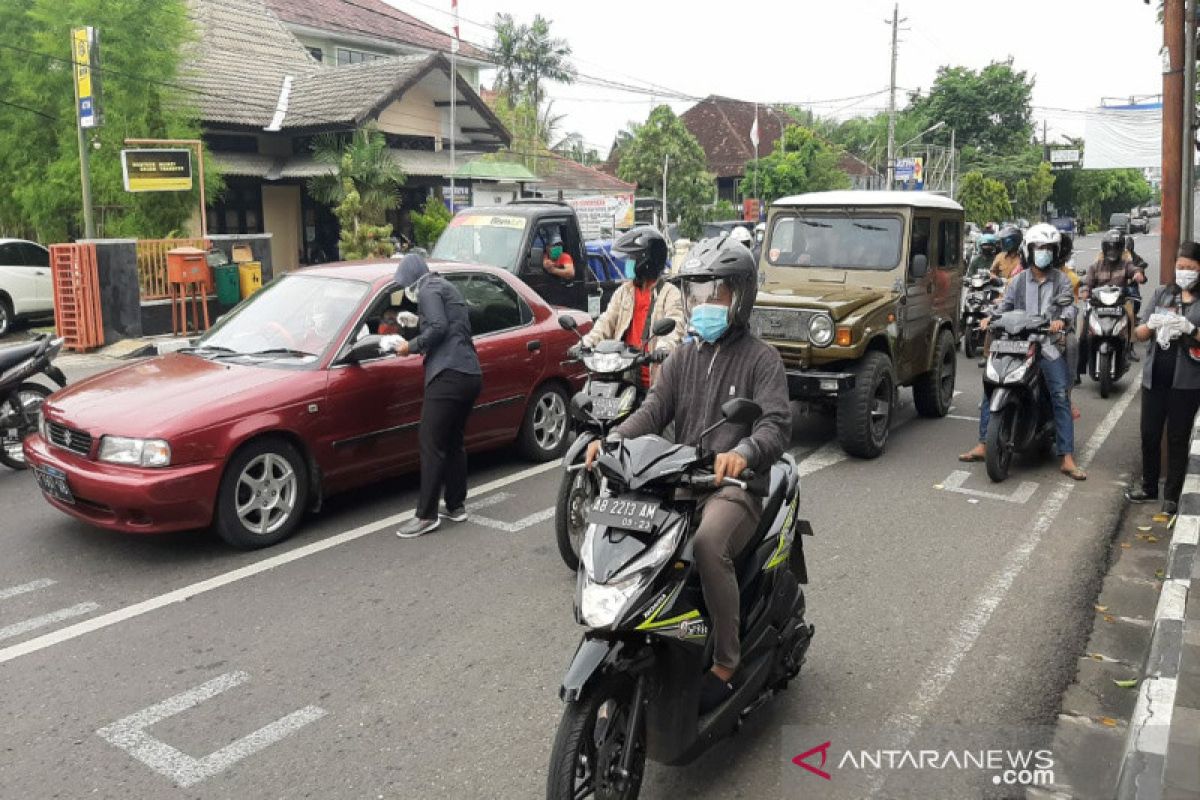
(933, 392)
(864, 413)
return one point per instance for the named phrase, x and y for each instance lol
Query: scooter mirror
(664, 326)
(741, 411)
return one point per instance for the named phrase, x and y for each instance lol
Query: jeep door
(916, 304)
(947, 276)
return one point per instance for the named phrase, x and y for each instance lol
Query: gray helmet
(722, 259)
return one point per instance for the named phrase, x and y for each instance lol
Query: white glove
(1156, 320)
(1186, 326)
(407, 319)
(388, 343)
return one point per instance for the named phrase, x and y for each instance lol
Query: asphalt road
(349, 663)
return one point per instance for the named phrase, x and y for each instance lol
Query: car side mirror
(741, 411)
(664, 327)
(920, 265)
(567, 322)
(364, 349)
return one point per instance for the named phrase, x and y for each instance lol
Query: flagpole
(755, 138)
(453, 105)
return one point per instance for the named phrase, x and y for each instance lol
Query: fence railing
(152, 264)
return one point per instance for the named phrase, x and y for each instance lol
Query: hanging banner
(85, 47)
(157, 170)
(1123, 136)
(599, 215)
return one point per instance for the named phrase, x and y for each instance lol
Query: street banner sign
(911, 172)
(1064, 156)
(600, 214)
(157, 170)
(85, 47)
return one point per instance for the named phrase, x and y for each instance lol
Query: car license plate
(53, 482)
(606, 407)
(1109, 312)
(1010, 346)
(625, 513)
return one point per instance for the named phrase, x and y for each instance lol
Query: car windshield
(847, 241)
(490, 239)
(294, 319)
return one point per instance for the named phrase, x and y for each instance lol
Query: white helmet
(760, 231)
(1041, 235)
(741, 235)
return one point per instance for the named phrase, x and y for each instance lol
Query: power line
(26, 108)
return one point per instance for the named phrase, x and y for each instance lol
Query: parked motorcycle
(984, 290)
(613, 391)
(1022, 419)
(21, 399)
(632, 689)
(1109, 335)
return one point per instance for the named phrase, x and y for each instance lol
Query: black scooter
(632, 689)
(1022, 418)
(613, 392)
(1109, 336)
(984, 290)
(21, 399)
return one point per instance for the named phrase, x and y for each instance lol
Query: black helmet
(716, 261)
(1113, 245)
(648, 249)
(1010, 238)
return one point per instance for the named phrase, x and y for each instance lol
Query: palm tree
(507, 54)
(545, 58)
(362, 187)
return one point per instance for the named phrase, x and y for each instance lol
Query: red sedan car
(289, 399)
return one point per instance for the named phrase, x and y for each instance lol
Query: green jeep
(859, 292)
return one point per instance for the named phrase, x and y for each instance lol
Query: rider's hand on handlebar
(659, 356)
(728, 465)
(593, 450)
(575, 351)
(983, 323)
(1057, 326)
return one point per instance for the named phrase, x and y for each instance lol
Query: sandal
(1074, 474)
(972, 458)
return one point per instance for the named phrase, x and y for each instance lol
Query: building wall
(281, 218)
(414, 114)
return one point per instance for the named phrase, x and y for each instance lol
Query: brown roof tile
(722, 126)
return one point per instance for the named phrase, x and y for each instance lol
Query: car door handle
(534, 345)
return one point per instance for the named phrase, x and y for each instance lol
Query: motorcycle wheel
(1104, 370)
(576, 490)
(20, 413)
(590, 743)
(969, 349)
(999, 443)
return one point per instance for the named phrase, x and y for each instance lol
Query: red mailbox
(189, 265)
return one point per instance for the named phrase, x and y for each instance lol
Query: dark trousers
(1174, 408)
(449, 398)
(728, 518)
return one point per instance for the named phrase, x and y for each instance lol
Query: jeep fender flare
(940, 324)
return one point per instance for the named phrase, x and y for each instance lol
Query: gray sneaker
(453, 514)
(418, 527)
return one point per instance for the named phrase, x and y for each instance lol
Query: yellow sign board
(157, 170)
(85, 54)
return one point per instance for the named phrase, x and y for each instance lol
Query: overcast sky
(811, 51)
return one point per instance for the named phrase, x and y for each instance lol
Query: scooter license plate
(1108, 312)
(1009, 346)
(54, 483)
(606, 407)
(625, 513)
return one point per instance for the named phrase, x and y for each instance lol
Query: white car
(26, 285)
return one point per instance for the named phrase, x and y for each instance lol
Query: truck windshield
(848, 241)
(491, 239)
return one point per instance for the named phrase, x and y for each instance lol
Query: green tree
(1095, 194)
(429, 223)
(800, 163)
(989, 109)
(141, 43)
(723, 210)
(362, 188)
(689, 187)
(983, 199)
(1032, 193)
(506, 54)
(545, 58)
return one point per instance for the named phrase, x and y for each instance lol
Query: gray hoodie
(698, 378)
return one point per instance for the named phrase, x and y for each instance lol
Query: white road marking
(250, 570)
(962, 417)
(819, 459)
(1020, 496)
(130, 735)
(519, 525)
(32, 624)
(32, 586)
(900, 728)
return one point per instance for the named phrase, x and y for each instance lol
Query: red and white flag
(753, 128)
(454, 8)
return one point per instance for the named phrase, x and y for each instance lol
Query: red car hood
(148, 399)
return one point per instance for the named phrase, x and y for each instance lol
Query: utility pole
(1173, 142)
(953, 162)
(1188, 189)
(891, 157)
(666, 220)
(84, 49)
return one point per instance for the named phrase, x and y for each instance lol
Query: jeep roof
(855, 199)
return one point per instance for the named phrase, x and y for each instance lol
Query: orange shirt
(643, 297)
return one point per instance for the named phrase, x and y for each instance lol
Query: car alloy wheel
(266, 494)
(550, 421)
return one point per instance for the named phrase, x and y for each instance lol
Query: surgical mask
(556, 252)
(630, 268)
(1042, 258)
(1186, 278)
(413, 291)
(710, 321)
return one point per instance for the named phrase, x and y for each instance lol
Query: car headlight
(605, 362)
(135, 452)
(820, 330)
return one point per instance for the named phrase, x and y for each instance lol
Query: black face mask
(645, 273)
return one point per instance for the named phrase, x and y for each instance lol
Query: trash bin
(229, 290)
(250, 274)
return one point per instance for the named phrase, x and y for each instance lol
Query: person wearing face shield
(1011, 259)
(1043, 289)
(1170, 322)
(722, 361)
(642, 300)
(453, 380)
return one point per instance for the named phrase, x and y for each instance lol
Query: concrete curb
(1148, 741)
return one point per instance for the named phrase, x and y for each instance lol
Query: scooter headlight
(627, 398)
(1094, 325)
(601, 605)
(606, 362)
(992, 373)
(1122, 324)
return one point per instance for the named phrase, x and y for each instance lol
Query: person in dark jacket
(721, 362)
(453, 380)
(1170, 379)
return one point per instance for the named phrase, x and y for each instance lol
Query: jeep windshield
(842, 241)
(490, 239)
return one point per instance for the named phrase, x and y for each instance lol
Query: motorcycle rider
(722, 362)
(1011, 259)
(643, 299)
(1114, 267)
(1036, 291)
(989, 248)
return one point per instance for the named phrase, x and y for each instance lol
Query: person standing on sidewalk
(453, 379)
(1170, 379)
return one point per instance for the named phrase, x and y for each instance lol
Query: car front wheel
(263, 494)
(544, 431)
